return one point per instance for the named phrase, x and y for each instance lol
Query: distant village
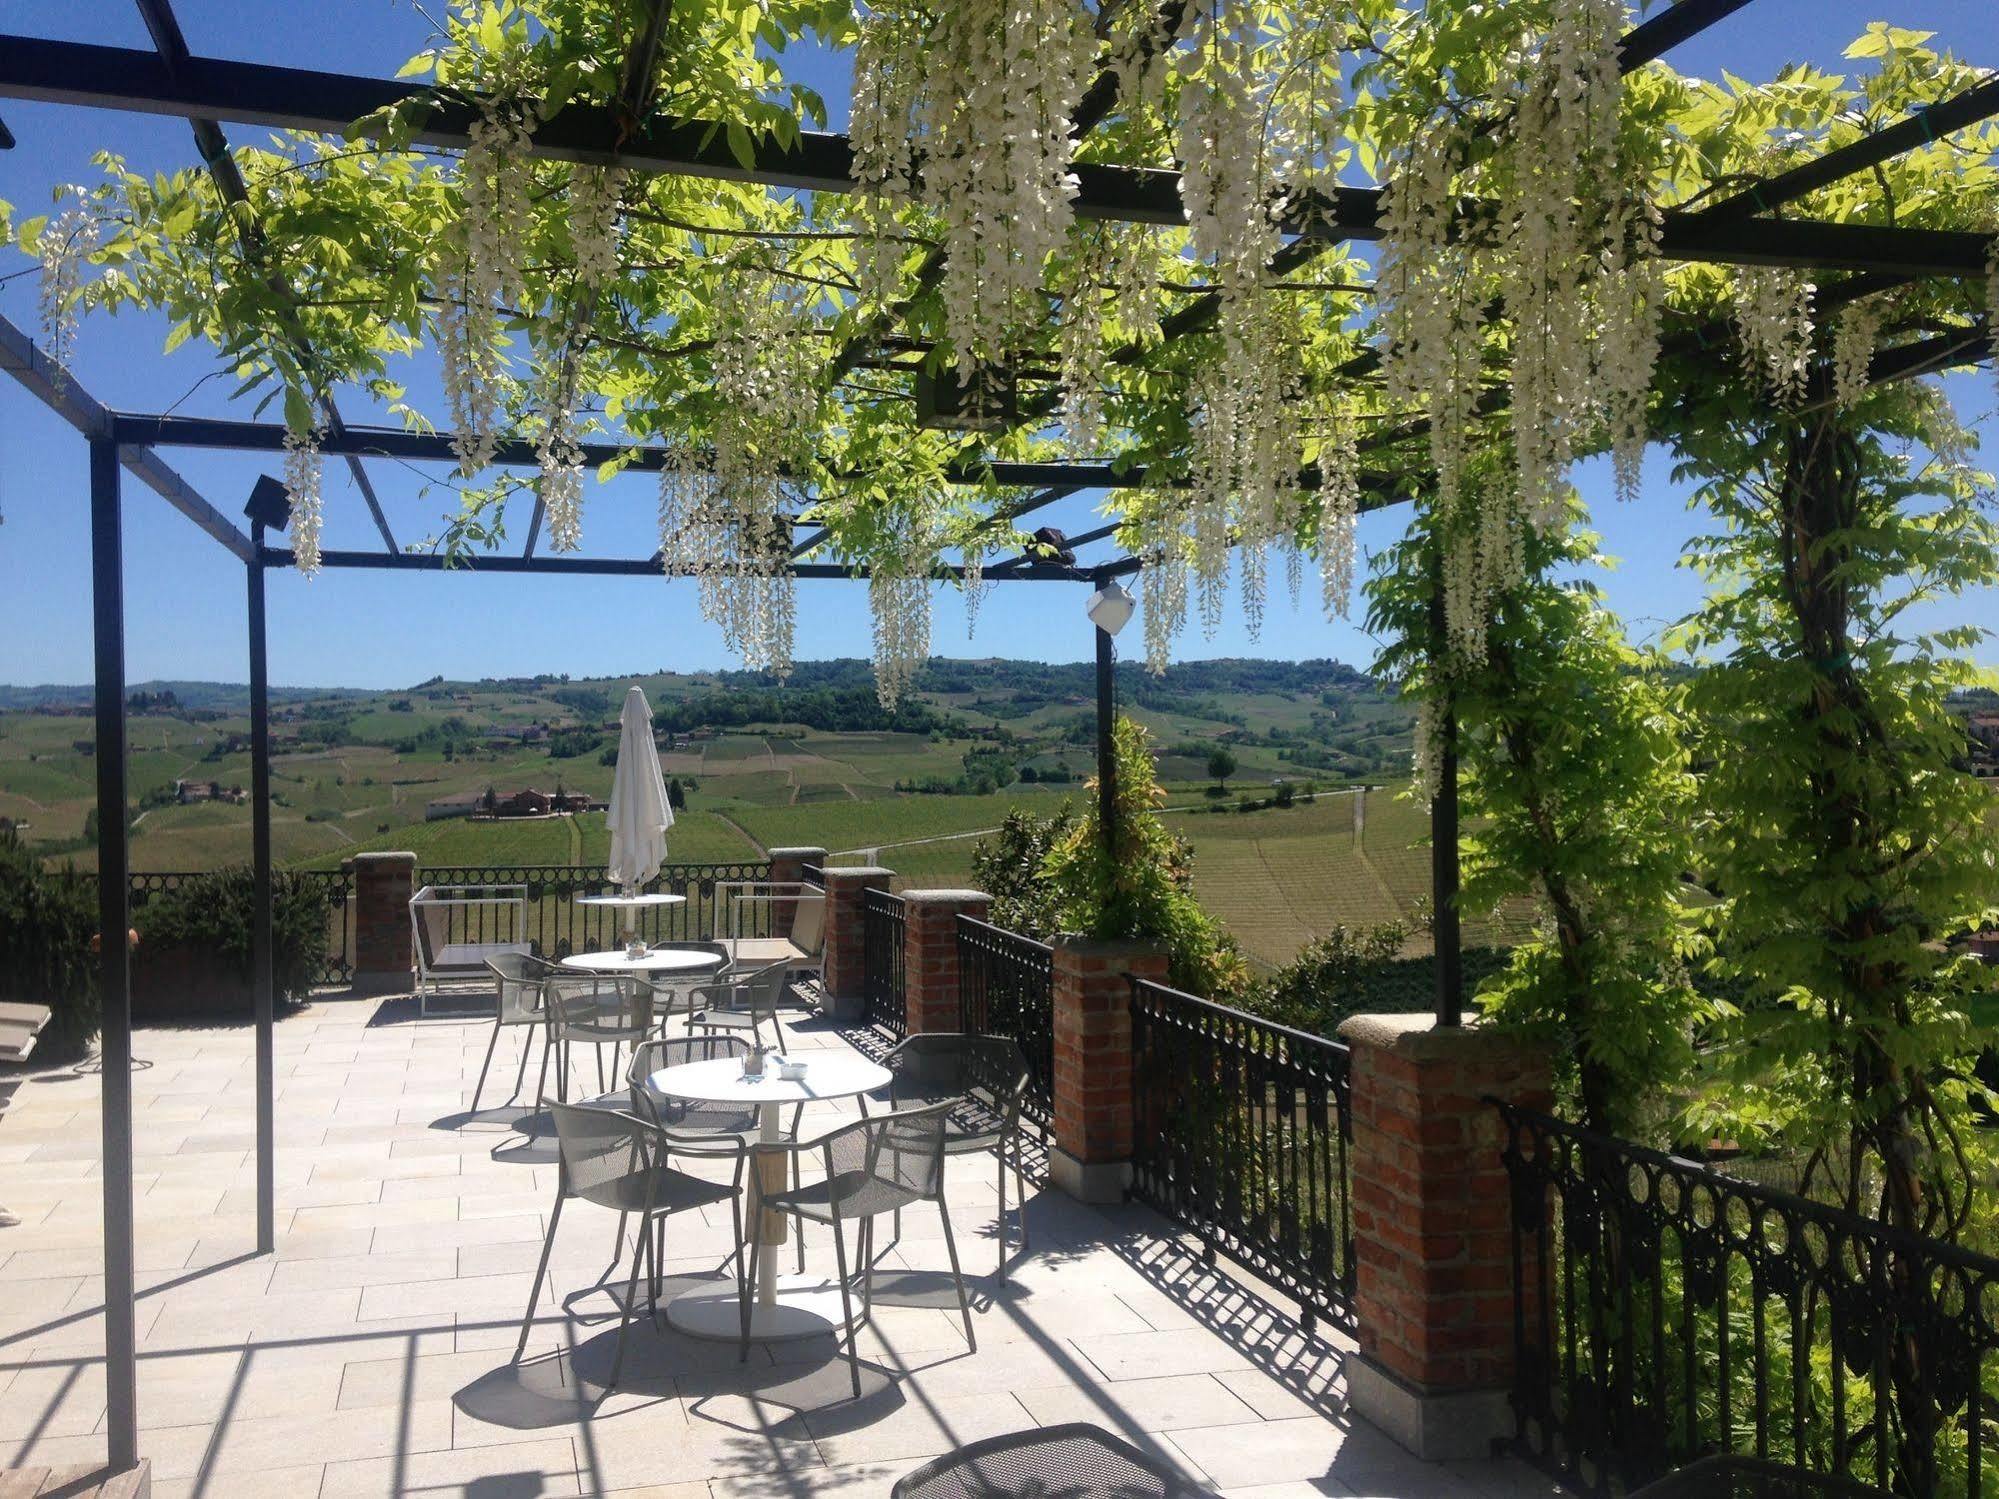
(529, 801)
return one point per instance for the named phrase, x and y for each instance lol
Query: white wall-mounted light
(1110, 607)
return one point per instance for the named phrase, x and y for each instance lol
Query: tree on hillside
(676, 795)
(1221, 765)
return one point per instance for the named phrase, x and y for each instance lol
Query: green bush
(46, 923)
(1360, 971)
(212, 915)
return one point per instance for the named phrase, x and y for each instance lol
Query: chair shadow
(460, 1005)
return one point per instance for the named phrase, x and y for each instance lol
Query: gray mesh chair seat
(741, 1003)
(599, 1012)
(983, 1079)
(619, 1161)
(868, 1168)
(852, 1194)
(1727, 1477)
(1076, 1461)
(519, 983)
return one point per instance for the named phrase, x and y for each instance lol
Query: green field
(814, 763)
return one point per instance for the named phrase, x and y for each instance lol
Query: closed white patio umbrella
(640, 814)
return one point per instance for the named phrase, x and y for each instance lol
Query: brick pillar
(1091, 1158)
(842, 976)
(930, 955)
(1433, 1288)
(384, 957)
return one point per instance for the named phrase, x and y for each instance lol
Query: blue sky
(184, 598)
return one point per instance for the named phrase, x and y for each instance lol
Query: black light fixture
(1051, 544)
(986, 400)
(269, 507)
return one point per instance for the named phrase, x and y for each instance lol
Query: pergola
(1737, 229)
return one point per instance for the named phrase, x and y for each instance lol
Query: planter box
(187, 983)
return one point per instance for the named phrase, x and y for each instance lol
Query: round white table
(635, 902)
(653, 960)
(790, 1306)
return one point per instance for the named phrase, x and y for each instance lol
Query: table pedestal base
(807, 1306)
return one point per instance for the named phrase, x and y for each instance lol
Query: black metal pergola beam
(1050, 475)
(57, 389)
(171, 45)
(1975, 104)
(301, 99)
(621, 567)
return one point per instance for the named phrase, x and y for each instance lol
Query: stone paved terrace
(372, 1354)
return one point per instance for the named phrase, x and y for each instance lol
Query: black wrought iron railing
(1241, 1131)
(556, 925)
(882, 961)
(813, 874)
(1666, 1311)
(1006, 987)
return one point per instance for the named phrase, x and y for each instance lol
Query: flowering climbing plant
(1520, 306)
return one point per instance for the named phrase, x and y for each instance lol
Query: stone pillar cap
(849, 870)
(1417, 1035)
(797, 853)
(943, 897)
(379, 857)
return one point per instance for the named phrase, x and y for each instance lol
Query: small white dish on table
(791, 1306)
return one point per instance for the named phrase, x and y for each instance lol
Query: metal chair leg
(520, 1073)
(1020, 1184)
(631, 1296)
(486, 1066)
(999, 1159)
(749, 1292)
(847, 1307)
(540, 1274)
(951, 1248)
(541, 1082)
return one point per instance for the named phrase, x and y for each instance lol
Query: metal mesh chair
(870, 1167)
(673, 991)
(598, 1011)
(742, 1004)
(698, 1126)
(615, 1160)
(1077, 1461)
(984, 1078)
(519, 981)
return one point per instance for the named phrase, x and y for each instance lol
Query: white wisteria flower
(899, 600)
(983, 94)
(560, 460)
(1773, 318)
(1162, 585)
(1853, 339)
(304, 472)
(67, 243)
(594, 194)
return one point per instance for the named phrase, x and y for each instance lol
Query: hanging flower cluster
(975, 584)
(1339, 507)
(1773, 319)
(1162, 586)
(1483, 533)
(1431, 308)
(593, 224)
(304, 472)
(1080, 342)
(495, 179)
(1563, 151)
(560, 460)
(67, 243)
(1853, 341)
(899, 599)
(730, 528)
(983, 97)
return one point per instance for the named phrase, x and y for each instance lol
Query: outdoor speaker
(270, 507)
